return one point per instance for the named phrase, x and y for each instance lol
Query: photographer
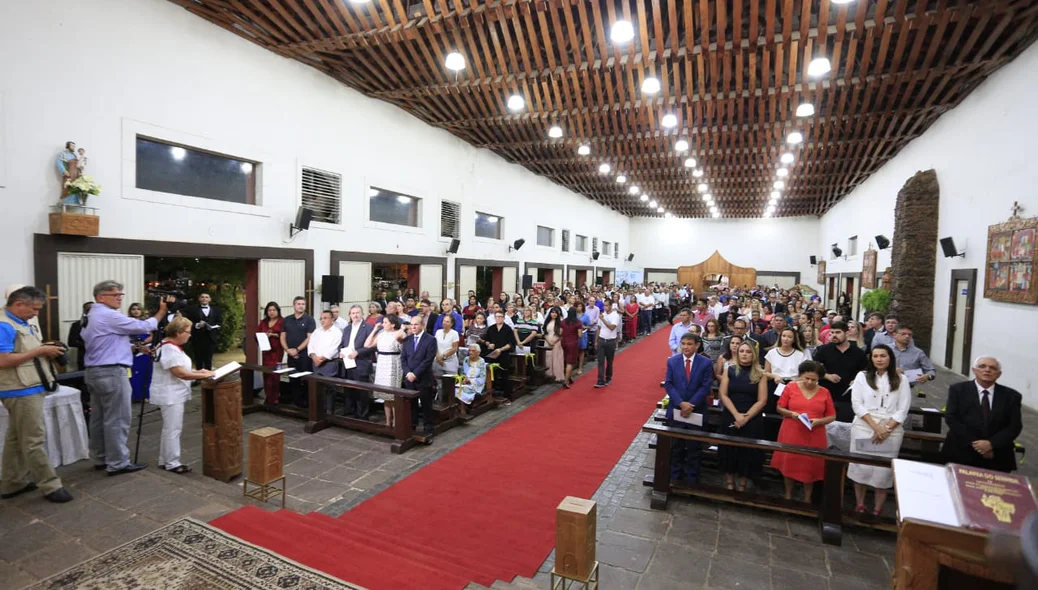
(23, 376)
(171, 389)
(107, 359)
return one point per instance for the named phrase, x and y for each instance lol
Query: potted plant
(876, 300)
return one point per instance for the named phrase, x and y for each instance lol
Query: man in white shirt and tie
(324, 352)
(207, 320)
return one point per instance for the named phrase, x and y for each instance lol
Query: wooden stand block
(74, 224)
(221, 429)
(575, 534)
(266, 454)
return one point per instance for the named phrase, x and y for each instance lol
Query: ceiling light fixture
(702, 187)
(516, 103)
(643, 198)
(455, 61)
(782, 172)
(634, 190)
(584, 150)
(621, 179)
(794, 138)
(771, 209)
(621, 32)
(819, 66)
(776, 195)
(670, 120)
(787, 158)
(659, 210)
(805, 109)
(653, 203)
(681, 145)
(690, 162)
(716, 214)
(555, 132)
(667, 215)
(779, 185)
(698, 173)
(603, 169)
(708, 197)
(650, 85)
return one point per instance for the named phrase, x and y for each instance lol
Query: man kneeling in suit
(689, 377)
(983, 420)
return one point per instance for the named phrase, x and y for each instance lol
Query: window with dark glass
(182, 170)
(488, 226)
(391, 207)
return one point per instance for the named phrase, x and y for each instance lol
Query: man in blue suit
(417, 354)
(355, 334)
(689, 377)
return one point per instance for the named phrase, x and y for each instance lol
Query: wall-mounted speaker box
(527, 282)
(332, 288)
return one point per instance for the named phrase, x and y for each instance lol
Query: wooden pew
(830, 512)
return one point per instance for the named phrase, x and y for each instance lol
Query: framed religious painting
(821, 272)
(868, 269)
(1012, 258)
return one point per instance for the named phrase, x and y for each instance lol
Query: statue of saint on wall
(75, 185)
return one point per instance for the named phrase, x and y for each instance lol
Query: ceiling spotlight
(653, 203)
(681, 146)
(555, 132)
(584, 150)
(670, 120)
(716, 214)
(659, 210)
(782, 172)
(795, 138)
(603, 169)
(787, 158)
(690, 162)
(455, 61)
(805, 109)
(702, 187)
(622, 31)
(516, 103)
(698, 173)
(772, 203)
(634, 190)
(666, 215)
(776, 195)
(650, 85)
(819, 66)
(708, 197)
(621, 179)
(643, 198)
(771, 209)
(779, 185)
(714, 208)
(767, 214)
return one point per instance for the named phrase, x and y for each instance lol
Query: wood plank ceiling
(732, 72)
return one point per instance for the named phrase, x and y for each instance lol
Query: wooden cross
(1017, 209)
(310, 294)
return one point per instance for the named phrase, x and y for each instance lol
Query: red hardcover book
(988, 500)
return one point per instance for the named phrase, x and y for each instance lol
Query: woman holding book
(171, 389)
(806, 409)
(881, 399)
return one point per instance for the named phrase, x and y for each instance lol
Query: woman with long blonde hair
(743, 393)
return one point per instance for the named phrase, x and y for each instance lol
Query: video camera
(170, 288)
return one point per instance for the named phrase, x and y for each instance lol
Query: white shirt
(644, 300)
(205, 311)
(881, 400)
(787, 367)
(341, 323)
(718, 309)
(325, 343)
(980, 394)
(603, 331)
(167, 389)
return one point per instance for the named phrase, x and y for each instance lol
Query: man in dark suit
(354, 335)
(207, 320)
(417, 354)
(983, 420)
(689, 377)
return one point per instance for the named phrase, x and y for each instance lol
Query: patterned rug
(189, 554)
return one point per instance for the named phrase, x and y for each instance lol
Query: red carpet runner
(485, 511)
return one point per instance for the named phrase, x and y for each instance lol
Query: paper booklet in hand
(225, 370)
(806, 421)
(263, 340)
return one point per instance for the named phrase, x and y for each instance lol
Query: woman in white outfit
(171, 389)
(447, 341)
(881, 399)
(386, 339)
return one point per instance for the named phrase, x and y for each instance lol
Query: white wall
(779, 244)
(984, 154)
(148, 64)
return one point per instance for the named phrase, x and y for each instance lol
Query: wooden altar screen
(738, 276)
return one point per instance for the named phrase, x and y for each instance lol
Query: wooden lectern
(575, 539)
(222, 428)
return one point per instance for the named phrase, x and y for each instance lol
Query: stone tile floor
(692, 544)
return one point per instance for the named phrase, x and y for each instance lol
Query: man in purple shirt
(108, 360)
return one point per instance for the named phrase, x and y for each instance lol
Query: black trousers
(426, 395)
(358, 401)
(296, 387)
(203, 349)
(606, 350)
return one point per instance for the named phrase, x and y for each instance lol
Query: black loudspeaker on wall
(332, 288)
(882, 242)
(453, 248)
(595, 255)
(949, 249)
(814, 260)
(527, 282)
(303, 216)
(630, 257)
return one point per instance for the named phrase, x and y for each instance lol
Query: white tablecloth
(66, 429)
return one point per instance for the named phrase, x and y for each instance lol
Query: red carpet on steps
(485, 511)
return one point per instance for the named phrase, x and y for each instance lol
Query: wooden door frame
(855, 300)
(460, 262)
(337, 256)
(969, 275)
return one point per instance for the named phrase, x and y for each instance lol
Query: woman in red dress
(572, 328)
(800, 397)
(631, 320)
(272, 325)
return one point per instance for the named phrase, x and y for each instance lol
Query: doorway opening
(959, 344)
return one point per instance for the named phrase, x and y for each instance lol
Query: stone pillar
(914, 255)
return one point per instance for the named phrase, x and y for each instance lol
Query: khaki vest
(24, 375)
